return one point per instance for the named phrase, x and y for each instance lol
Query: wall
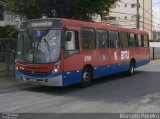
(154, 44)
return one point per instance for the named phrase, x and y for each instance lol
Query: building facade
(9, 19)
(124, 14)
(6, 18)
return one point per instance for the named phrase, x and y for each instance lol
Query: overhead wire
(145, 12)
(129, 20)
(135, 15)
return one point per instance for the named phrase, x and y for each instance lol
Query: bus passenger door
(71, 61)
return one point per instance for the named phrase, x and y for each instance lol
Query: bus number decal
(87, 58)
(104, 57)
(124, 55)
(115, 56)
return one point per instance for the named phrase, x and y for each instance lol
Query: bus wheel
(86, 77)
(131, 68)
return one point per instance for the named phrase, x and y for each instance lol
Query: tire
(131, 68)
(87, 77)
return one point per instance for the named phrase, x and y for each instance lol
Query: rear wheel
(87, 77)
(131, 68)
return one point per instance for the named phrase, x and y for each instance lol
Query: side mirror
(69, 36)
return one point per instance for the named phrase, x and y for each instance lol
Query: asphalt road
(114, 94)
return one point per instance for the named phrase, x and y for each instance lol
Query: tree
(76, 9)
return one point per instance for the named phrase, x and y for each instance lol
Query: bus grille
(36, 74)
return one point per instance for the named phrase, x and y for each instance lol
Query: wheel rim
(86, 76)
(132, 69)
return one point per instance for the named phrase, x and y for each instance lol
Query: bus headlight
(55, 70)
(16, 68)
(56, 67)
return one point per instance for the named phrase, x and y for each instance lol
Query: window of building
(102, 39)
(113, 38)
(134, 17)
(110, 18)
(125, 5)
(133, 5)
(123, 37)
(125, 17)
(132, 40)
(88, 36)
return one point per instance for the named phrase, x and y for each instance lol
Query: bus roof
(79, 23)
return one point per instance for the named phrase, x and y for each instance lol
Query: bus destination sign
(40, 24)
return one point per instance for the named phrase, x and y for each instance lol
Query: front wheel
(87, 77)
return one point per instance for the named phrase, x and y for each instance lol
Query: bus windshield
(39, 46)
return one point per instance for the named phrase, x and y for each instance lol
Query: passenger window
(88, 36)
(72, 43)
(123, 39)
(102, 39)
(132, 40)
(139, 41)
(113, 38)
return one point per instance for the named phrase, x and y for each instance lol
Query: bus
(62, 52)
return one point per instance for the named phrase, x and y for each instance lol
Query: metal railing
(7, 56)
(154, 53)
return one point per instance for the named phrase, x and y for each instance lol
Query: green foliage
(6, 31)
(76, 9)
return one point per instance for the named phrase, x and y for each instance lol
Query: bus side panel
(143, 56)
(73, 65)
(103, 56)
(110, 62)
(110, 69)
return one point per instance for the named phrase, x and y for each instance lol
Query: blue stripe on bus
(110, 69)
(36, 75)
(141, 63)
(73, 77)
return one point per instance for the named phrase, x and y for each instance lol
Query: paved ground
(138, 93)
(7, 82)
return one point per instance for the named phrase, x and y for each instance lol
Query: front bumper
(48, 80)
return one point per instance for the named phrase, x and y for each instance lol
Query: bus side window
(88, 36)
(142, 36)
(113, 38)
(132, 40)
(123, 36)
(72, 43)
(102, 39)
(139, 38)
(146, 42)
(136, 40)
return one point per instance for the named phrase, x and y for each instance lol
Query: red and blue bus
(61, 52)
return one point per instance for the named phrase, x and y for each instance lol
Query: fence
(155, 53)
(7, 56)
